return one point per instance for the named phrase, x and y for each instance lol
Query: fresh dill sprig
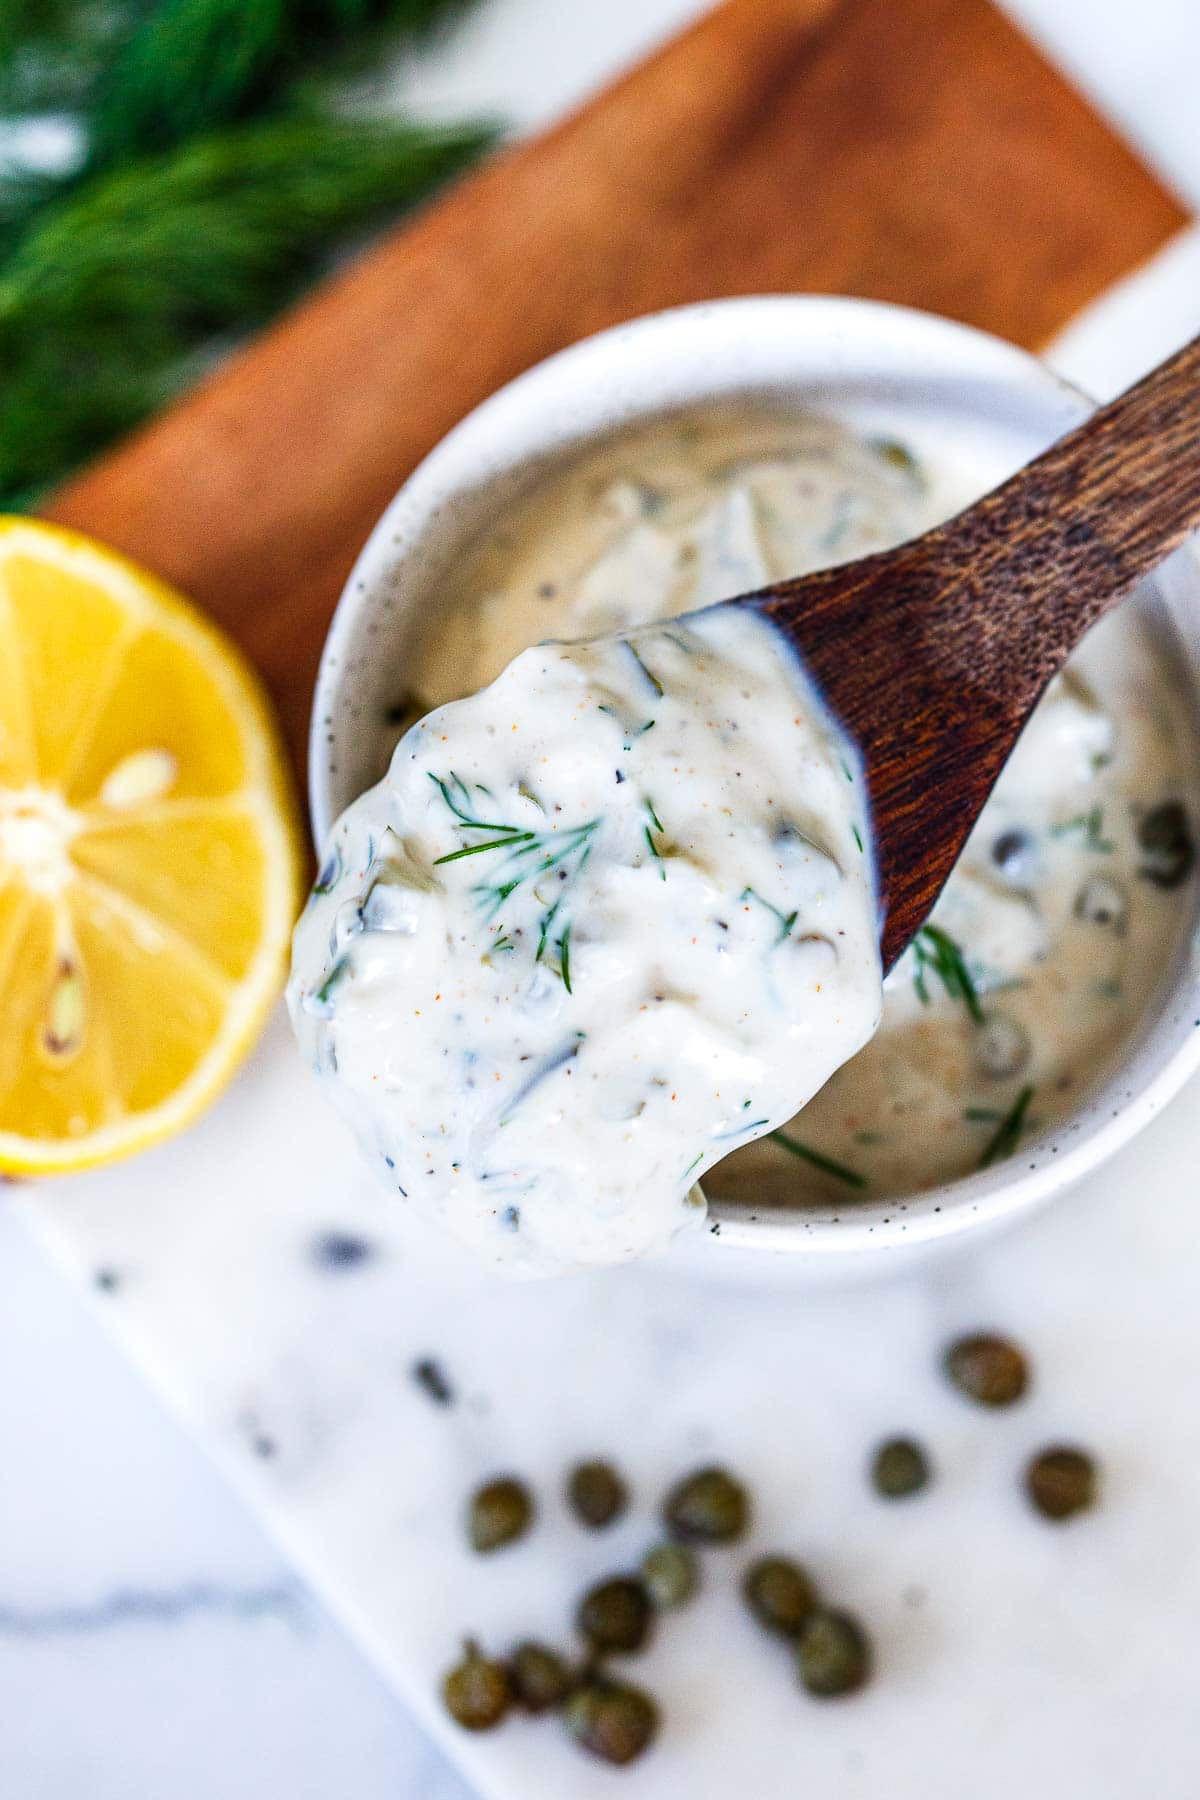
(105, 299)
(1007, 1134)
(205, 169)
(628, 732)
(655, 825)
(651, 677)
(937, 953)
(184, 67)
(454, 784)
(785, 921)
(527, 856)
(818, 1160)
(53, 51)
(1091, 826)
(501, 843)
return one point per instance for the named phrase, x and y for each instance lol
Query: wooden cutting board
(909, 150)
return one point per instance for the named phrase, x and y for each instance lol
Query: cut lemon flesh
(149, 855)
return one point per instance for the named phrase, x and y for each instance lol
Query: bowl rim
(852, 335)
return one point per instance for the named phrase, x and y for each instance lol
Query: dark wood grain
(909, 150)
(934, 655)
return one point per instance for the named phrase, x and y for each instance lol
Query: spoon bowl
(987, 608)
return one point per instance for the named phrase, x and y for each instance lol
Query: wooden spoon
(934, 655)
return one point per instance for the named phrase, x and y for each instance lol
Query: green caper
(1164, 836)
(780, 1594)
(987, 1368)
(610, 1719)
(616, 1614)
(539, 1678)
(670, 1574)
(899, 1467)
(501, 1511)
(707, 1507)
(832, 1653)
(476, 1691)
(900, 457)
(1061, 1481)
(596, 1494)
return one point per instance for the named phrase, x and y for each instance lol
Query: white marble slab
(1000, 1639)
(151, 1641)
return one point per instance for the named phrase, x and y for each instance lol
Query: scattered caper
(670, 1574)
(610, 1719)
(707, 1507)
(780, 1594)
(596, 1494)
(987, 1368)
(616, 1614)
(899, 1467)
(501, 1511)
(1002, 1046)
(832, 1653)
(1165, 837)
(539, 1678)
(1104, 902)
(1061, 1482)
(476, 1690)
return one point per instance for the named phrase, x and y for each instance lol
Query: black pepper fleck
(432, 1379)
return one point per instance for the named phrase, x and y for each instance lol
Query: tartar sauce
(600, 923)
(1054, 931)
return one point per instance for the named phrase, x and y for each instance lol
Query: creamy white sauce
(601, 923)
(1064, 929)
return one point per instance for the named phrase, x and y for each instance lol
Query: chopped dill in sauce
(935, 952)
(1090, 828)
(828, 1165)
(1007, 1134)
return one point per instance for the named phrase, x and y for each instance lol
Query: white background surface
(152, 1642)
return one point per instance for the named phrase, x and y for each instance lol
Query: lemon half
(149, 855)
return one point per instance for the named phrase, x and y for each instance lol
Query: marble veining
(148, 1606)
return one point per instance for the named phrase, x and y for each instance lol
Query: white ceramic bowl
(965, 400)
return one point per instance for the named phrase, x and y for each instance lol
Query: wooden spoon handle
(1072, 533)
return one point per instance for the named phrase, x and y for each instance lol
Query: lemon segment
(149, 855)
